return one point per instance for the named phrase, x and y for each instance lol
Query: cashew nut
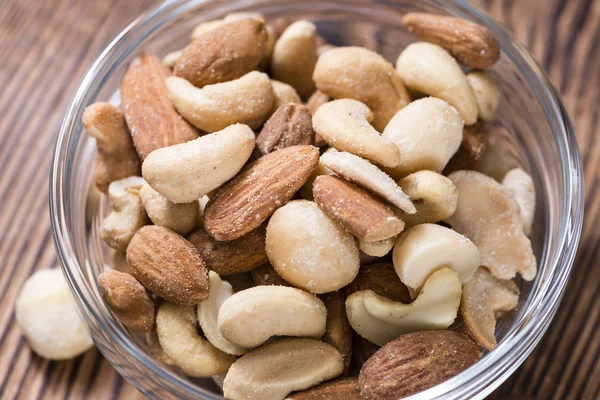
(361, 74)
(117, 157)
(273, 371)
(309, 250)
(179, 338)
(427, 132)
(487, 93)
(127, 213)
(246, 100)
(202, 202)
(294, 57)
(520, 186)
(344, 124)
(208, 313)
(381, 320)
(490, 217)
(185, 172)
(181, 218)
(430, 69)
(367, 175)
(377, 248)
(426, 248)
(250, 317)
(284, 94)
(433, 195)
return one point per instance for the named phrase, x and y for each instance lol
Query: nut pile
(342, 239)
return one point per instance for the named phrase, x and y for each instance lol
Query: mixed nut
(381, 237)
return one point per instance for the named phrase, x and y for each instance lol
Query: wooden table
(45, 48)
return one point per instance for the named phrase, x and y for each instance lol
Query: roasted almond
(415, 362)
(150, 116)
(382, 279)
(224, 53)
(316, 100)
(470, 43)
(265, 275)
(232, 257)
(168, 265)
(245, 202)
(471, 150)
(290, 125)
(361, 213)
(339, 389)
(128, 299)
(338, 332)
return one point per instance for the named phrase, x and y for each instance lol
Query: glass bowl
(532, 130)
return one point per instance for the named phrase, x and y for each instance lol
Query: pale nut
(171, 58)
(361, 74)
(487, 93)
(426, 248)
(274, 370)
(427, 132)
(483, 297)
(430, 69)
(381, 320)
(284, 94)
(208, 313)
(181, 218)
(345, 125)
(294, 57)
(185, 172)
(46, 312)
(378, 248)
(202, 202)
(309, 250)
(491, 218)
(433, 195)
(127, 213)
(250, 317)
(247, 100)
(180, 340)
(519, 184)
(368, 176)
(324, 48)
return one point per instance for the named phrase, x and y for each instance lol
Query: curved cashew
(284, 94)
(488, 215)
(361, 74)
(483, 297)
(295, 55)
(381, 320)
(520, 185)
(427, 132)
(344, 124)
(434, 196)
(246, 100)
(127, 213)
(430, 69)
(181, 218)
(426, 248)
(250, 317)
(179, 338)
(185, 172)
(487, 93)
(377, 248)
(208, 313)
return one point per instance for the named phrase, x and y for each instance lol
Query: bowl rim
(496, 366)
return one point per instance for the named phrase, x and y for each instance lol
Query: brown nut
(338, 332)
(265, 275)
(290, 125)
(382, 279)
(472, 149)
(339, 389)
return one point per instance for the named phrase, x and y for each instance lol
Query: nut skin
(470, 43)
(245, 202)
(338, 389)
(382, 279)
(168, 265)
(128, 299)
(224, 53)
(150, 116)
(472, 149)
(290, 125)
(338, 332)
(415, 362)
(232, 257)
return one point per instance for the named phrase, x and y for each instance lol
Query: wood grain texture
(45, 48)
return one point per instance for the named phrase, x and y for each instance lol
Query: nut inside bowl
(531, 131)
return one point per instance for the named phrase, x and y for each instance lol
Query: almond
(128, 299)
(470, 43)
(358, 211)
(339, 389)
(415, 362)
(338, 332)
(382, 279)
(168, 265)
(266, 184)
(233, 257)
(223, 54)
(316, 100)
(150, 116)
(290, 125)
(266, 275)
(471, 150)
